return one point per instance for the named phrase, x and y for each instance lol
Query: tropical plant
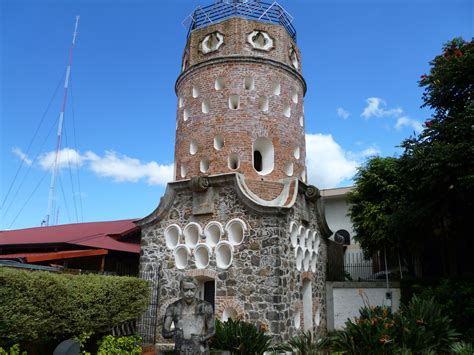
(240, 337)
(13, 350)
(418, 328)
(305, 343)
(462, 348)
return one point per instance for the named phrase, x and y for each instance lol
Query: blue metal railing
(250, 9)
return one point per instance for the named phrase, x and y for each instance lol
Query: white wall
(344, 299)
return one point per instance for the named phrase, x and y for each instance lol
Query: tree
(434, 176)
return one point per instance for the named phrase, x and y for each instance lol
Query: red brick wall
(241, 127)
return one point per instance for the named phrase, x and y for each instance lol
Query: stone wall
(263, 284)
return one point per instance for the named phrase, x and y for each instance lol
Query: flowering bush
(417, 328)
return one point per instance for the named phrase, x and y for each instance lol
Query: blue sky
(361, 60)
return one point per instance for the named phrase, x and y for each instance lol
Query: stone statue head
(188, 286)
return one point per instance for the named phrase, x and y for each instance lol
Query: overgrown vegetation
(240, 337)
(306, 343)
(42, 307)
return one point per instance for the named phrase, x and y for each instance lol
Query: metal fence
(147, 323)
(250, 9)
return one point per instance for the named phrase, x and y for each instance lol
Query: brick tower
(239, 215)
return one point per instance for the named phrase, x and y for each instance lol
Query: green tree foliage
(40, 307)
(374, 204)
(426, 197)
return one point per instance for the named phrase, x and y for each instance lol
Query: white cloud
(343, 113)
(66, 157)
(118, 167)
(370, 152)
(19, 153)
(376, 108)
(406, 121)
(327, 163)
(122, 168)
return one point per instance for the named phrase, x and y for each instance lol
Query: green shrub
(418, 328)
(240, 337)
(41, 307)
(462, 348)
(306, 343)
(14, 350)
(455, 297)
(110, 345)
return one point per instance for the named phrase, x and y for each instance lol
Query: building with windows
(240, 215)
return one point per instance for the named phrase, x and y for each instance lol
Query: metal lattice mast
(51, 198)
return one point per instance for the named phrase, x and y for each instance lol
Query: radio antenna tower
(54, 172)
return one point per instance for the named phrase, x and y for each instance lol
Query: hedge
(42, 307)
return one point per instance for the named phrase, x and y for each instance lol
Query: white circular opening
(195, 91)
(224, 255)
(218, 142)
(172, 234)
(219, 84)
(184, 170)
(301, 121)
(235, 229)
(181, 254)
(294, 97)
(180, 102)
(297, 320)
(205, 107)
(202, 254)
(306, 260)
(314, 261)
(296, 153)
(213, 232)
(287, 111)
(288, 168)
(204, 165)
(234, 161)
(229, 312)
(192, 232)
(186, 114)
(294, 234)
(193, 147)
(299, 255)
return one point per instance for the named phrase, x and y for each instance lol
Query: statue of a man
(193, 321)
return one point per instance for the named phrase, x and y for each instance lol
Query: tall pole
(54, 172)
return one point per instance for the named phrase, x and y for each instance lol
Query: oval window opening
(249, 83)
(193, 147)
(185, 114)
(296, 153)
(184, 170)
(195, 92)
(204, 165)
(219, 84)
(263, 103)
(263, 155)
(287, 111)
(276, 88)
(234, 102)
(218, 142)
(234, 161)
(205, 106)
(288, 168)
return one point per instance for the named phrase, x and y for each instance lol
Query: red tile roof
(104, 235)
